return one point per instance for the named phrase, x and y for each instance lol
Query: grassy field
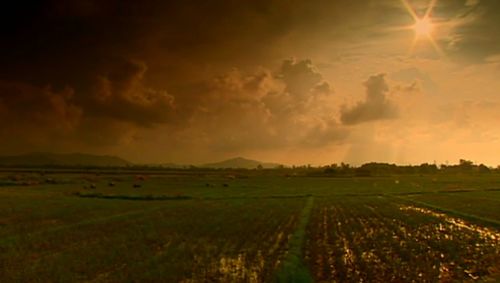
(248, 227)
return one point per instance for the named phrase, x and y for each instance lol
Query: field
(247, 226)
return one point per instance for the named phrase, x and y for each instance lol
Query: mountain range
(82, 159)
(240, 163)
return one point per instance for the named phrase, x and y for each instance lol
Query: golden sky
(297, 82)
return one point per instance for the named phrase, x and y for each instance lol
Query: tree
(465, 165)
(483, 169)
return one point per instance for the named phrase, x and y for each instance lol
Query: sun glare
(423, 27)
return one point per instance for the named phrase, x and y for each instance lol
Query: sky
(296, 82)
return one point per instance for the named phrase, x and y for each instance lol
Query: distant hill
(240, 162)
(54, 159)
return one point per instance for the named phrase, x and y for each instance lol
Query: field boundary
(152, 197)
(293, 268)
(132, 197)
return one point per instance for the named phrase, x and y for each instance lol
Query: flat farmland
(377, 239)
(248, 226)
(121, 240)
(481, 204)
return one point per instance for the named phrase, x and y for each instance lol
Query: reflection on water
(484, 232)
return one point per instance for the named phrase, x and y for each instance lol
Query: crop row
(378, 240)
(190, 241)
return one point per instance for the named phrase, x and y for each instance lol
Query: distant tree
(483, 169)
(330, 170)
(465, 165)
(344, 165)
(426, 168)
(259, 167)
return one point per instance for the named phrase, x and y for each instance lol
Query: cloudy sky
(297, 82)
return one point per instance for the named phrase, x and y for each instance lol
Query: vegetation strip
(132, 197)
(466, 216)
(293, 268)
(261, 197)
(181, 197)
(186, 197)
(442, 192)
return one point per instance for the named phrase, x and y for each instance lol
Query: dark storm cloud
(131, 66)
(35, 116)
(121, 94)
(375, 107)
(67, 42)
(29, 104)
(475, 36)
(116, 105)
(234, 111)
(70, 42)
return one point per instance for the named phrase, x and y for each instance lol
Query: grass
(460, 206)
(293, 268)
(177, 239)
(382, 239)
(209, 227)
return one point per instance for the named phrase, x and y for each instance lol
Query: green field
(248, 226)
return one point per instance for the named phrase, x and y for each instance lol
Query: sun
(423, 27)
